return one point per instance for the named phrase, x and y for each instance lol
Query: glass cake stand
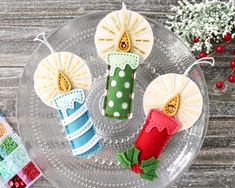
(43, 135)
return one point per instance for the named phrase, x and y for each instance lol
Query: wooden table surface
(22, 20)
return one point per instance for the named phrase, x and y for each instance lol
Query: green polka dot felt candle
(124, 39)
(120, 81)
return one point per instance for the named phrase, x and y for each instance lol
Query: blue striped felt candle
(77, 122)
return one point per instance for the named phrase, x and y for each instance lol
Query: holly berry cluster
(220, 49)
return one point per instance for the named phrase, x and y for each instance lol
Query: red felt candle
(157, 130)
(142, 158)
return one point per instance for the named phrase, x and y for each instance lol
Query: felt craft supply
(8, 145)
(30, 171)
(3, 131)
(14, 159)
(172, 103)
(16, 182)
(60, 81)
(123, 39)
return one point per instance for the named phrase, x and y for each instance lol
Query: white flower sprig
(208, 21)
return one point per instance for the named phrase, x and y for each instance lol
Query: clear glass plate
(43, 135)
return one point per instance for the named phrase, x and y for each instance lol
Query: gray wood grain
(21, 20)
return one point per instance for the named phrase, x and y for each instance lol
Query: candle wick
(123, 6)
(44, 41)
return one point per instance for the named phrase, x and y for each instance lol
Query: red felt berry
(196, 39)
(231, 78)
(202, 54)
(220, 84)
(234, 51)
(136, 168)
(219, 49)
(232, 64)
(227, 37)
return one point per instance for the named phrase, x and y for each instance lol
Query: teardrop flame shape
(63, 83)
(172, 105)
(124, 44)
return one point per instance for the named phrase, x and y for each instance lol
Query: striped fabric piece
(77, 122)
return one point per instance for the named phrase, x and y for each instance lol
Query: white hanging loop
(44, 41)
(206, 60)
(123, 6)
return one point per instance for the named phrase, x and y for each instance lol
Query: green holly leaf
(130, 153)
(133, 155)
(122, 158)
(149, 165)
(135, 158)
(151, 175)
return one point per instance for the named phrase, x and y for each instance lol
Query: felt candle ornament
(14, 160)
(124, 39)
(60, 81)
(172, 103)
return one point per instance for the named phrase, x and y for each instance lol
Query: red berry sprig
(227, 37)
(202, 54)
(219, 84)
(220, 49)
(196, 39)
(231, 77)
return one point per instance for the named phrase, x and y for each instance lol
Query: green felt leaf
(130, 153)
(135, 158)
(122, 158)
(151, 175)
(149, 165)
(133, 155)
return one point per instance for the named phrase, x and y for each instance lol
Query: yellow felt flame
(63, 83)
(172, 105)
(124, 44)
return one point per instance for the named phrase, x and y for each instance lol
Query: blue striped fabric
(77, 97)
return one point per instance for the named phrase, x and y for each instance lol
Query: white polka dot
(111, 104)
(113, 83)
(116, 114)
(127, 85)
(124, 105)
(119, 94)
(121, 73)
